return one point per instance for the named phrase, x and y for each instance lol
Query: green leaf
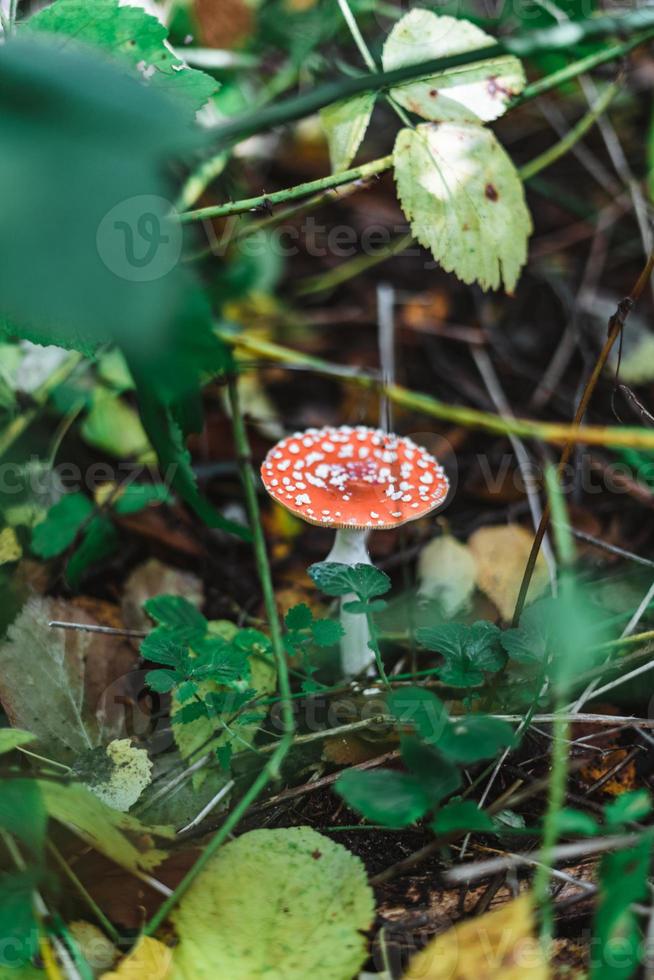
(470, 93)
(138, 496)
(469, 651)
(529, 643)
(628, 807)
(326, 632)
(19, 930)
(345, 124)
(616, 936)
(113, 139)
(420, 708)
(11, 738)
(473, 737)
(335, 578)
(114, 427)
(22, 813)
(167, 646)
(464, 200)
(133, 38)
(437, 776)
(361, 607)
(306, 885)
(119, 836)
(60, 528)
(99, 541)
(298, 617)
(573, 823)
(394, 799)
(186, 691)
(461, 815)
(162, 681)
(175, 611)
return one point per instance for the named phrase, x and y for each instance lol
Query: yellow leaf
(499, 945)
(447, 571)
(149, 960)
(10, 549)
(501, 554)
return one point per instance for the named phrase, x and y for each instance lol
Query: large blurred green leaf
(131, 36)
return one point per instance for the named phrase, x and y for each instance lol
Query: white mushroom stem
(350, 548)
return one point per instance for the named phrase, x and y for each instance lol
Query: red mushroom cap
(353, 477)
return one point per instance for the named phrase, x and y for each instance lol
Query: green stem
(271, 770)
(551, 432)
(556, 38)
(108, 926)
(579, 67)
(291, 193)
(374, 643)
(357, 36)
(552, 154)
(556, 799)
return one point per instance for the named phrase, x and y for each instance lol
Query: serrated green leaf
(298, 617)
(175, 611)
(480, 91)
(437, 776)
(132, 37)
(99, 541)
(418, 707)
(326, 632)
(473, 737)
(186, 691)
(394, 799)
(461, 815)
(190, 712)
(22, 813)
(306, 885)
(530, 642)
(336, 579)
(464, 200)
(345, 124)
(161, 681)
(469, 651)
(60, 528)
(167, 646)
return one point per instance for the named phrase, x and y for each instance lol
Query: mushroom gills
(350, 548)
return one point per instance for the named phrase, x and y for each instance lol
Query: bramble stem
(365, 170)
(271, 770)
(553, 432)
(556, 38)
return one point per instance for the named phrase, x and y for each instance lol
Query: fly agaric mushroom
(356, 480)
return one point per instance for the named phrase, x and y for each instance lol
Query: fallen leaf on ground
(52, 680)
(499, 945)
(10, 549)
(447, 571)
(153, 578)
(621, 782)
(149, 960)
(119, 836)
(98, 951)
(501, 554)
(118, 774)
(307, 887)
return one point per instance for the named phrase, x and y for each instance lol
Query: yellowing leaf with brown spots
(501, 554)
(149, 960)
(479, 91)
(499, 945)
(464, 200)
